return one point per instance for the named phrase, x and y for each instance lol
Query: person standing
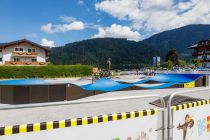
(109, 63)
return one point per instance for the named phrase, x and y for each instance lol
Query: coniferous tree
(173, 57)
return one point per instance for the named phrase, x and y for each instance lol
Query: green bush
(51, 71)
(182, 63)
(169, 64)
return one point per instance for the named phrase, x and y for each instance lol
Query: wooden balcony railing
(25, 54)
(200, 53)
(12, 63)
(205, 61)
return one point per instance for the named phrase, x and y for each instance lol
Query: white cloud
(48, 43)
(57, 28)
(92, 25)
(67, 19)
(117, 31)
(31, 35)
(70, 23)
(157, 15)
(99, 20)
(80, 2)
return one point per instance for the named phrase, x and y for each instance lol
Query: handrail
(80, 102)
(170, 115)
(94, 101)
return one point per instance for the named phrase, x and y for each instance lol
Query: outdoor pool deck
(60, 112)
(88, 80)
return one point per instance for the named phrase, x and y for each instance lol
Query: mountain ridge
(124, 52)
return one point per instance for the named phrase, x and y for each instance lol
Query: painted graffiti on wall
(208, 124)
(201, 126)
(187, 127)
(142, 136)
(192, 123)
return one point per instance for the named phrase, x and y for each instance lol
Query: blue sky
(24, 18)
(57, 22)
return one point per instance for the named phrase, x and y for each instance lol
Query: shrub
(169, 64)
(51, 71)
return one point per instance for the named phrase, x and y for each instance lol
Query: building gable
(23, 42)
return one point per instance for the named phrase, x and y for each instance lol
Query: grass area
(52, 71)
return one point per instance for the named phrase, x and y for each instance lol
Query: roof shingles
(24, 40)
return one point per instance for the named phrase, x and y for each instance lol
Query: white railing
(169, 110)
(80, 102)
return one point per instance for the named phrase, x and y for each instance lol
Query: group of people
(101, 74)
(107, 72)
(147, 72)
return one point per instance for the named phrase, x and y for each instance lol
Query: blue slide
(105, 84)
(168, 80)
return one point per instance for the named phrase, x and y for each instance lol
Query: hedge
(52, 71)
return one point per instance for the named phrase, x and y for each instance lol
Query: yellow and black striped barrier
(191, 105)
(35, 127)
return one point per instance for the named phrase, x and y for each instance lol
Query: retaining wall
(134, 125)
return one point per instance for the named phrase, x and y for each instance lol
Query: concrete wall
(191, 121)
(42, 93)
(7, 94)
(141, 125)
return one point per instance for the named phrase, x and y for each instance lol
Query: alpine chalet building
(202, 52)
(23, 53)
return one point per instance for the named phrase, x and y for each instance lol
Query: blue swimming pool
(24, 82)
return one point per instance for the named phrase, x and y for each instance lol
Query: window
(16, 59)
(0, 50)
(33, 60)
(0, 59)
(31, 50)
(19, 49)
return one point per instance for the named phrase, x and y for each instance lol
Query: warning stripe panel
(191, 105)
(9, 130)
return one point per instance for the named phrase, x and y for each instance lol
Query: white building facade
(23, 52)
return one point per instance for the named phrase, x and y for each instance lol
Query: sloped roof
(194, 46)
(199, 44)
(24, 40)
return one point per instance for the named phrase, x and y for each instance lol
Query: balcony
(24, 54)
(200, 53)
(202, 61)
(13, 63)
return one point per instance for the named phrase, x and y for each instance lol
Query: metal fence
(166, 117)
